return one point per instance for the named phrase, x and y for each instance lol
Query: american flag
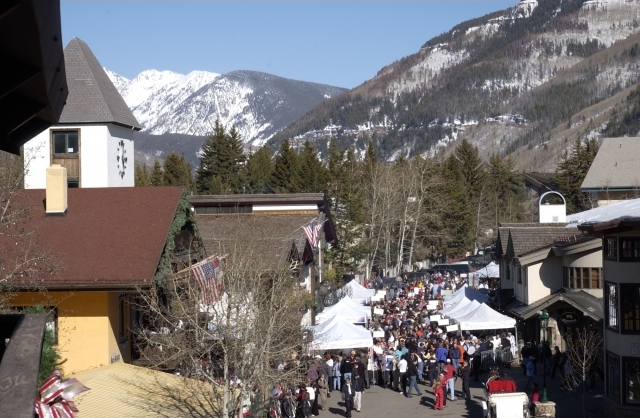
(311, 231)
(207, 274)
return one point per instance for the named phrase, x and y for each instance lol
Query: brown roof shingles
(264, 240)
(92, 96)
(110, 237)
(526, 240)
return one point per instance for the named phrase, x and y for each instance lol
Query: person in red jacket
(448, 381)
(437, 390)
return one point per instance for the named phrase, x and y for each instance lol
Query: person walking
(465, 374)
(323, 388)
(402, 372)
(449, 376)
(531, 371)
(412, 372)
(337, 382)
(557, 362)
(348, 394)
(455, 355)
(546, 357)
(441, 356)
(439, 394)
(358, 384)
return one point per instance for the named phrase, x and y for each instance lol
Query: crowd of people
(413, 351)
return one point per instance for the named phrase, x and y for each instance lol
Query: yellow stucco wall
(87, 326)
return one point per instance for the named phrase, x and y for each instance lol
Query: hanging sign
(569, 317)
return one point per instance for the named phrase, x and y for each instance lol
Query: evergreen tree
(222, 163)
(156, 178)
(178, 171)
(506, 192)
(458, 220)
(259, 171)
(141, 175)
(312, 171)
(571, 172)
(286, 172)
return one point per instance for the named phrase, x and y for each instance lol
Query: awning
(589, 305)
(123, 390)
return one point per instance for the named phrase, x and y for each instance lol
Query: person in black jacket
(348, 393)
(465, 372)
(412, 372)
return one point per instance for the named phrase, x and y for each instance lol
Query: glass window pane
(632, 381)
(59, 142)
(72, 142)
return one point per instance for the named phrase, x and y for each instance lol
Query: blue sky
(342, 43)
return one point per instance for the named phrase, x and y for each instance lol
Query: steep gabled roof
(503, 233)
(110, 237)
(615, 167)
(92, 96)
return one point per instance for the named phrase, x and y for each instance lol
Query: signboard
(446, 292)
(444, 321)
(378, 311)
(381, 292)
(452, 328)
(378, 334)
(434, 318)
(569, 317)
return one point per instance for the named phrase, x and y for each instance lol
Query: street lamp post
(544, 324)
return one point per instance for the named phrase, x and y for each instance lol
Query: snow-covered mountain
(258, 104)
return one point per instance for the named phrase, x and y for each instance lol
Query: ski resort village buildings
(93, 139)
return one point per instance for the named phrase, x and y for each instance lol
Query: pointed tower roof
(92, 96)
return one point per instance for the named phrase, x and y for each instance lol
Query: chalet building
(267, 230)
(553, 267)
(621, 263)
(106, 243)
(93, 138)
(614, 174)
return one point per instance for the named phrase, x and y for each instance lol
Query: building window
(611, 298)
(65, 143)
(631, 380)
(629, 249)
(582, 277)
(611, 248)
(630, 308)
(613, 376)
(519, 275)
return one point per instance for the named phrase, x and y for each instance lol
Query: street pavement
(379, 402)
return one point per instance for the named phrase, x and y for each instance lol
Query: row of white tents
(336, 325)
(468, 308)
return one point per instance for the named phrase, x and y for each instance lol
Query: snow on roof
(627, 208)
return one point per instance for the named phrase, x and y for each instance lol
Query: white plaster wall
(115, 135)
(543, 279)
(36, 160)
(93, 152)
(547, 212)
(592, 259)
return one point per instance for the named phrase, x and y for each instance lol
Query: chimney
(56, 203)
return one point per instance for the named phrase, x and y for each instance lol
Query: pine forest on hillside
(386, 214)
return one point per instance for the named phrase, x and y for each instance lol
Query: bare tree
(22, 257)
(234, 344)
(583, 351)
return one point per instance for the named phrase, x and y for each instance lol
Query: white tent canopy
(484, 318)
(351, 311)
(491, 270)
(465, 309)
(356, 291)
(463, 302)
(467, 292)
(339, 333)
(462, 309)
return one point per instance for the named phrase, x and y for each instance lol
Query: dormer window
(65, 143)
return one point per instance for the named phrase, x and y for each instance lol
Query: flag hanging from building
(311, 231)
(208, 275)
